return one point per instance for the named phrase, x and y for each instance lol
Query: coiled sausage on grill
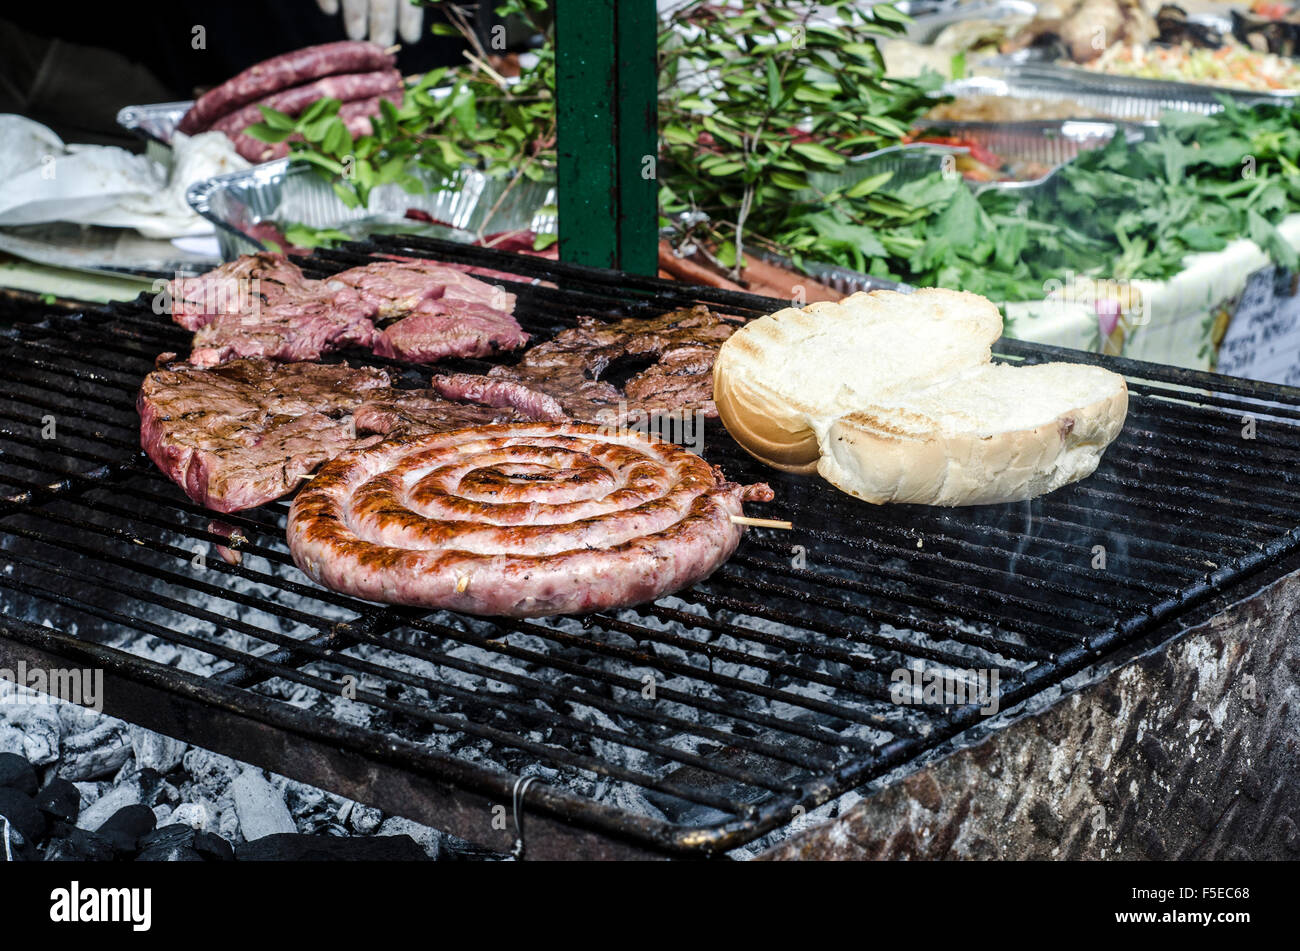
(522, 520)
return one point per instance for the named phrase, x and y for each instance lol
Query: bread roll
(893, 398)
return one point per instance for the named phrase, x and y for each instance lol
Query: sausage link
(282, 72)
(293, 102)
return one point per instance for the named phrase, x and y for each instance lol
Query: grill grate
(771, 680)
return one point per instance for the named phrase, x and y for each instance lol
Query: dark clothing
(75, 90)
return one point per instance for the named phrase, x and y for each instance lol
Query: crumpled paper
(44, 180)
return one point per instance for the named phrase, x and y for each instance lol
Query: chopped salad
(1233, 65)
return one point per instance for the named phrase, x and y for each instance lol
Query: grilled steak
(443, 311)
(526, 520)
(682, 377)
(247, 432)
(263, 306)
(542, 393)
(422, 411)
(290, 330)
(242, 286)
(577, 373)
(450, 328)
(398, 286)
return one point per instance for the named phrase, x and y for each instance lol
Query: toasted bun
(768, 428)
(778, 374)
(892, 398)
(1000, 434)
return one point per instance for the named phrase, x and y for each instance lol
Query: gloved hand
(381, 19)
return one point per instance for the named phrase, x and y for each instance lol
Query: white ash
(260, 807)
(30, 730)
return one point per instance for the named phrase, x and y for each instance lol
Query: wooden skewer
(761, 522)
(392, 50)
(461, 584)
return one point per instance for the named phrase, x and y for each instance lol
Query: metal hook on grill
(520, 790)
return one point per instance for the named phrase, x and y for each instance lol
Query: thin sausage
(282, 72)
(293, 102)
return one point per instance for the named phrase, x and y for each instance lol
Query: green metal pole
(606, 90)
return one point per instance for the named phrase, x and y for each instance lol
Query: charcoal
(118, 797)
(428, 838)
(154, 750)
(260, 807)
(365, 819)
(17, 773)
(213, 847)
(142, 786)
(124, 828)
(296, 847)
(59, 800)
(69, 844)
(93, 747)
(193, 814)
(21, 811)
(174, 843)
(28, 729)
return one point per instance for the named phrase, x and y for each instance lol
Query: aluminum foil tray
(284, 192)
(156, 122)
(1051, 142)
(1054, 89)
(1132, 97)
(907, 162)
(930, 22)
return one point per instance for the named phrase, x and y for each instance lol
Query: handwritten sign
(1263, 340)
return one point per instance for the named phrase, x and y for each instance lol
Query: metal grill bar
(771, 680)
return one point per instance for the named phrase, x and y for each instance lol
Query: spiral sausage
(523, 520)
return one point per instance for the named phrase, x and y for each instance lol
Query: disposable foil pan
(907, 163)
(284, 192)
(1104, 104)
(155, 122)
(1051, 142)
(1132, 97)
(929, 23)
